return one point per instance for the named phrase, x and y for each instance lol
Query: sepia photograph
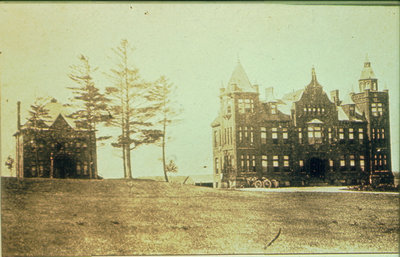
(187, 128)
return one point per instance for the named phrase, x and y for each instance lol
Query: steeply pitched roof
(239, 81)
(60, 122)
(314, 81)
(367, 72)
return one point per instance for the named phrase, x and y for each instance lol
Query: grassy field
(117, 217)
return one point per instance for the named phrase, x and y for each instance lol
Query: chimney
(335, 97)
(269, 93)
(18, 115)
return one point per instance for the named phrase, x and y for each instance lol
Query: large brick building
(55, 149)
(305, 137)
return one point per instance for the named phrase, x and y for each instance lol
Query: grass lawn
(117, 217)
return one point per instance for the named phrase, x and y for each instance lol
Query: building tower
(374, 105)
(234, 130)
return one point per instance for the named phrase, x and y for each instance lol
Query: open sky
(196, 45)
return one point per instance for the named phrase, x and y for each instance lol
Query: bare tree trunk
(163, 150)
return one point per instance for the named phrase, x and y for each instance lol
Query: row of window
(313, 109)
(66, 144)
(378, 134)
(314, 133)
(246, 105)
(248, 162)
(81, 169)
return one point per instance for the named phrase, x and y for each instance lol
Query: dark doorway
(64, 167)
(317, 168)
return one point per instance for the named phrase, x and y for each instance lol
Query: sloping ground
(117, 217)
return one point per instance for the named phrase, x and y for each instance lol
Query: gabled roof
(60, 122)
(342, 116)
(315, 121)
(239, 81)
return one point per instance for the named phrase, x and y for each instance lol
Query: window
(330, 163)
(216, 165)
(384, 159)
(264, 162)
(242, 161)
(342, 161)
(275, 161)
(263, 135)
(314, 135)
(245, 105)
(245, 133)
(351, 133)
(285, 133)
(248, 161)
(85, 168)
(360, 134)
(301, 163)
(377, 109)
(300, 136)
(323, 110)
(273, 108)
(251, 135)
(286, 161)
(253, 163)
(352, 161)
(378, 133)
(383, 133)
(341, 133)
(330, 134)
(274, 133)
(240, 134)
(78, 168)
(373, 133)
(362, 162)
(305, 109)
(241, 105)
(380, 109)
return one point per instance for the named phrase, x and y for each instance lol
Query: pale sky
(196, 45)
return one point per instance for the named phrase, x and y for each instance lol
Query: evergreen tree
(38, 117)
(162, 92)
(132, 108)
(91, 105)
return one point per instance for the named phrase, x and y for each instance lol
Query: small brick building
(55, 150)
(305, 137)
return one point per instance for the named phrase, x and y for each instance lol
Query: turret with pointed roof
(368, 80)
(239, 81)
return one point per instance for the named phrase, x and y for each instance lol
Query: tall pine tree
(162, 92)
(38, 117)
(132, 108)
(90, 104)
